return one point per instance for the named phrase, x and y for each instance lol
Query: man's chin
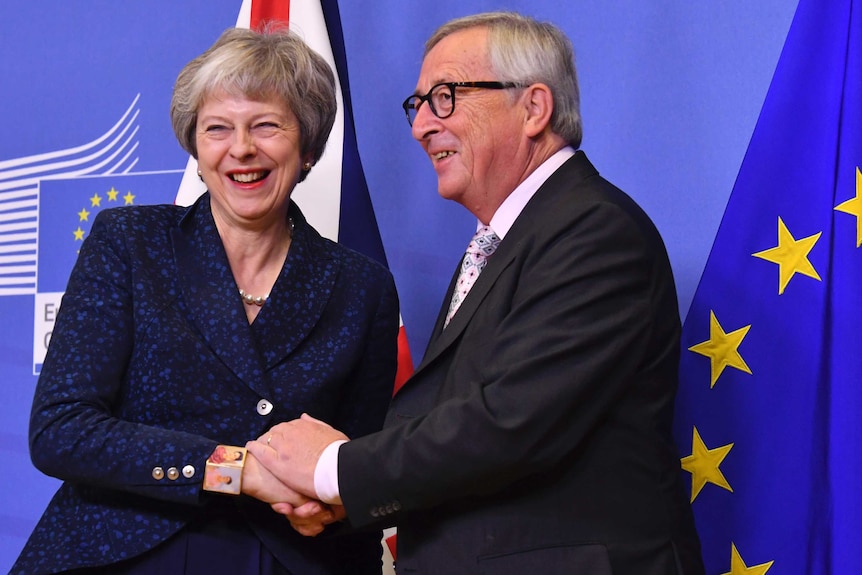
(448, 191)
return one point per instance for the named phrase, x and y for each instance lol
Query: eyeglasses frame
(409, 102)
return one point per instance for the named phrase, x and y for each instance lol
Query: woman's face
(249, 157)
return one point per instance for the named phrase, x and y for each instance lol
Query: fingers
(310, 519)
(312, 508)
(259, 482)
(282, 508)
(308, 530)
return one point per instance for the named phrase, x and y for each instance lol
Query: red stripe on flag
(264, 11)
(405, 362)
(392, 544)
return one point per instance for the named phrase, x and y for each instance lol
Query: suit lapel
(443, 338)
(570, 174)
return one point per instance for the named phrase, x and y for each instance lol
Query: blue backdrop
(671, 91)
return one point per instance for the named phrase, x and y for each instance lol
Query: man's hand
(260, 483)
(307, 519)
(290, 451)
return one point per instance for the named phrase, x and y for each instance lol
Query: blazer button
(375, 512)
(173, 473)
(158, 473)
(264, 407)
(189, 471)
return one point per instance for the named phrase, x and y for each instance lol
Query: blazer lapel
(214, 306)
(300, 295)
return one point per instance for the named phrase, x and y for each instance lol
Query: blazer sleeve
(584, 313)
(74, 433)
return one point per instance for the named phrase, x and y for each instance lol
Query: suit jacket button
(158, 473)
(189, 471)
(173, 473)
(396, 506)
(264, 407)
(375, 512)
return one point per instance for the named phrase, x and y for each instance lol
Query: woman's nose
(243, 144)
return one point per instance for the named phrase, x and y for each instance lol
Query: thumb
(307, 417)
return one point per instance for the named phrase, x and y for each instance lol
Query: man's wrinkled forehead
(460, 56)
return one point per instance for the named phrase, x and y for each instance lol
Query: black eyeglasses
(441, 97)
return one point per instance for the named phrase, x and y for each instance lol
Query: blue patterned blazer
(153, 363)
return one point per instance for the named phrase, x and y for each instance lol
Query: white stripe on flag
(319, 195)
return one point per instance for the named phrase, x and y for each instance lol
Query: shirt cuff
(326, 474)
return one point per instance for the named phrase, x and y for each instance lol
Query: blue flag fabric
(357, 226)
(68, 207)
(771, 373)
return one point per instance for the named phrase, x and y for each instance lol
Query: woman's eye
(214, 129)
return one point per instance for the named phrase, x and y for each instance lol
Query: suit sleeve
(590, 308)
(74, 434)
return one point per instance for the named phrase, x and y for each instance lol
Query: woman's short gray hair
(527, 51)
(273, 63)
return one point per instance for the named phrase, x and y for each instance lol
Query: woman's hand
(258, 482)
(309, 520)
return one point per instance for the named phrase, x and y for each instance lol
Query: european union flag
(771, 374)
(67, 209)
(68, 206)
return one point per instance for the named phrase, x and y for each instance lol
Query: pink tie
(483, 244)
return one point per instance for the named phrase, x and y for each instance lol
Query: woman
(185, 332)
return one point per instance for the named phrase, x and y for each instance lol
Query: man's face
(478, 151)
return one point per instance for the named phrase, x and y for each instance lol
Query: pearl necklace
(253, 300)
(260, 300)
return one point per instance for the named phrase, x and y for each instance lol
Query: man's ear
(539, 103)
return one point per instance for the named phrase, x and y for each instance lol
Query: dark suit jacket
(535, 436)
(153, 363)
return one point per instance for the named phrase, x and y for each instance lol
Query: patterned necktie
(483, 244)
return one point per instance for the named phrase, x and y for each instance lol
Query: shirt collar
(513, 205)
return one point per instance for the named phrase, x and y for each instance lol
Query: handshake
(279, 469)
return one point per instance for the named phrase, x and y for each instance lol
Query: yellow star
(83, 215)
(791, 255)
(722, 349)
(703, 465)
(79, 234)
(853, 207)
(738, 566)
(130, 199)
(96, 201)
(112, 194)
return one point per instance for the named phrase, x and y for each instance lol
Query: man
(535, 436)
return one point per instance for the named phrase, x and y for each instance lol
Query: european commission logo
(48, 203)
(67, 209)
